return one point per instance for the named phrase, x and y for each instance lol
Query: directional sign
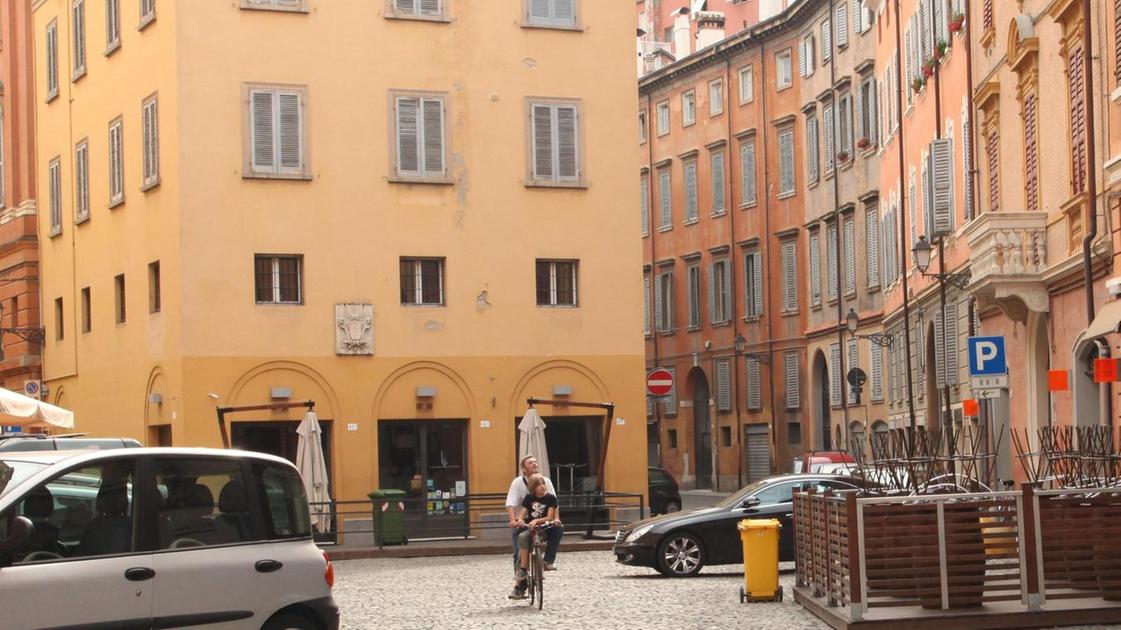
(987, 356)
(1000, 381)
(987, 393)
(659, 382)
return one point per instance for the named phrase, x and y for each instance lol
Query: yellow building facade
(415, 214)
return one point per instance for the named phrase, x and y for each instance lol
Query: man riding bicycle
(519, 489)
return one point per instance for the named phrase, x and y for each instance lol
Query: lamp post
(739, 344)
(852, 322)
(922, 252)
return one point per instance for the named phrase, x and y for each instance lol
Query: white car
(159, 538)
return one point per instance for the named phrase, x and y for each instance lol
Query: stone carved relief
(354, 329)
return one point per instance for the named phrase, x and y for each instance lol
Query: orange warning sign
(970, 407)
(1105, 370)
(1058, 380)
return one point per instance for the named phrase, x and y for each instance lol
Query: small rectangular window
(786, 161)
(112, 24)
(784, 75)
(78, 38)
(551, 13)
(154, 287)
(665, 200)
(557, 282)
(420, 136)
(715, 97)
(753, 284)
(422, 281)
(119, 298)
(147, 12)
(720, 291)
(726, 436)
(279, 279)
(693, 289)
(415, 9)
(151, 138)
(51, 59)
(748, 173)
(87, 320)
(716, 178)
(641, 127)
(116, 163)
(747, 85)
(276, 142)
(790, 277)
(59, 327)
(555, 152)
(299, 6)
(54, 173)
(688, 107)
(82, 181)
(663, 302)
(690, 168)
(672, 436)
(663, 118)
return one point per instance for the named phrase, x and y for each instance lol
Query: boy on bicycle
(538, 510)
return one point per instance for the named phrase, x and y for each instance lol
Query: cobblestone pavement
(589, 590)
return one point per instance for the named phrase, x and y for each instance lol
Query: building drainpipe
(767, 259)
(837, 221)
(650, 183)
(730, 208)
(903, 271)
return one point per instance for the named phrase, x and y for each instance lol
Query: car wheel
(672, 506)
(289, 621)
(680, 555)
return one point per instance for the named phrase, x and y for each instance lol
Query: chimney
(710, 28)
(682, 39)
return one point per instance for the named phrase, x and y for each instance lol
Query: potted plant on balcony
(863, 144)
(957, 21)
(917, 83)
(940, 49)
(842, 156)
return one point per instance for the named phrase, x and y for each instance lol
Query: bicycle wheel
(533, 568)
(539, 579)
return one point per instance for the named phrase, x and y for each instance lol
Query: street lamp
(740, 343)
(852, 322)
(922, 252)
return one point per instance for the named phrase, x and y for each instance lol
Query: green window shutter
(754, 390)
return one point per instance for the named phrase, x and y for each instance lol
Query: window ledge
(691, 221)
(752, 319)
(306, 177)
(665, 333)
(52, 95)
(279, 303)
(150, 185)
(580, 185)
(78, 74)
(563, 307)
(423, 305)
(788, 195)
(717, 213)
(873, 289)
(723, 324)
(303, 8)
(693, 329)
(749, 205)
(790, 313)
(55, 231)
(665, 228)
(575, 28)
(439, 19)
(112, 47)
(783, 88)
(118, 202)
(813, 184)
(1115, 96)
(815, 307)
(145, 20)
(82, 219)
(435, 181)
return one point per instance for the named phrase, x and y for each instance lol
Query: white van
(159, 538)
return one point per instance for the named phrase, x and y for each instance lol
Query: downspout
(902, 255)
(974, 173)
(650, 183)
(767, 259)
(837, 222)
(730, 207)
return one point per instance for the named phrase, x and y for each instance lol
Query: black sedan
(680, 544)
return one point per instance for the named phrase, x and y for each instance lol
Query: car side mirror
(749, 503)
(18, 533)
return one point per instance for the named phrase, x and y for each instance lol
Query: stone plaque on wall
(354, 329)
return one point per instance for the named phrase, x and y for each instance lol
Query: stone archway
(702, 430)
(824, 435)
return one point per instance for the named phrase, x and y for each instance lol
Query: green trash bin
(389, 516)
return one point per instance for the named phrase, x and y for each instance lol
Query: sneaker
(517, 593)
(550, 566)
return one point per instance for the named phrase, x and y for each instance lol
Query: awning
(1107, 321)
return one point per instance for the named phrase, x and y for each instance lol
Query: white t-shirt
(519, 489)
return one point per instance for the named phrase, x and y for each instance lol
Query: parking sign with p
(987, 357)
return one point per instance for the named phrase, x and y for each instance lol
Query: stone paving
(589, 590)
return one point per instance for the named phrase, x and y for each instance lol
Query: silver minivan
(159, 538)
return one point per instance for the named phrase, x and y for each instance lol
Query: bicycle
(537, 565)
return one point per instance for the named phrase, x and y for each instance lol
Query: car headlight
(639, 533)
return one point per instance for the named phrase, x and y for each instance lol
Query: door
(428, 460)
(85, 543)
(757, 451)
(702, 434)
(210, 541)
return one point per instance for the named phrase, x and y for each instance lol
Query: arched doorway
(821, 396)
(856, 437)
(1039, 363)
(933, 396)
(702, 432)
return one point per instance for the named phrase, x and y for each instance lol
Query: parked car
(681, 544)
(160, 537)
(812, 461)
(23, 442)
(665, 495)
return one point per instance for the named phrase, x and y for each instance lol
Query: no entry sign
(659, 382)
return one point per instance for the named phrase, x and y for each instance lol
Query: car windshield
(12, 473)
(738, 497)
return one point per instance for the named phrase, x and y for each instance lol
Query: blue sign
(987, 356)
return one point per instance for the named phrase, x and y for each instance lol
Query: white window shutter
(967, 163)
(691, 190)
(940, 19)
(723, 385)
(941, 159)
(790, 277)
(726, 304)
(540, 10)
(876, 378)
(408, 135)
(718, 182)
(754, 388)
(952, 343)
(430, 7)
(288, 132)
(665, 200)
(853, 362)
(659, 320)
(831, 260)
(927, 26)
(713, 316)
(856, 15)
(842, 20)
(786, 161)
(802, 53)
(568, 162)
(747, 171)
(850, 256)
(793, 381)
(872, 244)
(564, 10)
(858, 112)
(433, 127)
(405, 6)
(939, 350)
(830, 144)
(815, 268)
(644, 194)
(757, 266)
(912, 203)
(835, 374)
(811, 149)
(810, 54)
(543, 142)
(670, 400)
(646, 304)
(649, 405)
(826, 41)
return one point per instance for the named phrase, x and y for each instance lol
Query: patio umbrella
(313, 468)
(531, 440)
(23, 411)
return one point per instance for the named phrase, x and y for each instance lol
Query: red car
(812, 461)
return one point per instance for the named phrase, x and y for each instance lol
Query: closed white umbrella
(23, 411)
(313, 468)
(532, 440)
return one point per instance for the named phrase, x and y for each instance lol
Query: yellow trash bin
(760, 560)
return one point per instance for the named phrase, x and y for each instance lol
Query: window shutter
(723, 386)
(79, 30)
(747, 175)
(815, 269)
(939, 349)
(850, 256)
(913, 207)
(835, 374)
(646, 304)
(830, 145)
(873, 114)
(564, 10)
(991, 143)
(408, 135)
(644, 189)
(664, 199)
(151, 142)
(659, 321)
(543, 142)
(116, 187)
(842, 25)
(927, 199)
(857, 26)
(826, 41)
(926, 20)
(793, 385)
(433, 111)
(757, 266)
(831, 261)
(858, 112)
(952, 343)
(1031, 152)
(802, 53)
(405, 6)
(1077, 91)
(725, 304)
(811, 149)
(754, 389)
(52, 58)
(567, 156)
(786, 156)
(941, 160)
(713, 316)
(853, 362)
(810, 53)
(540, 10)
(264, 156)
(789, 277)
(940, 19)
(872, 242)
(670, 400)
(649, 405)
(876, 379)
(288, 104)
(718, 182)
(691, 190)
(430, 7)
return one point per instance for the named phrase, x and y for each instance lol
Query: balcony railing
(1008, 255)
